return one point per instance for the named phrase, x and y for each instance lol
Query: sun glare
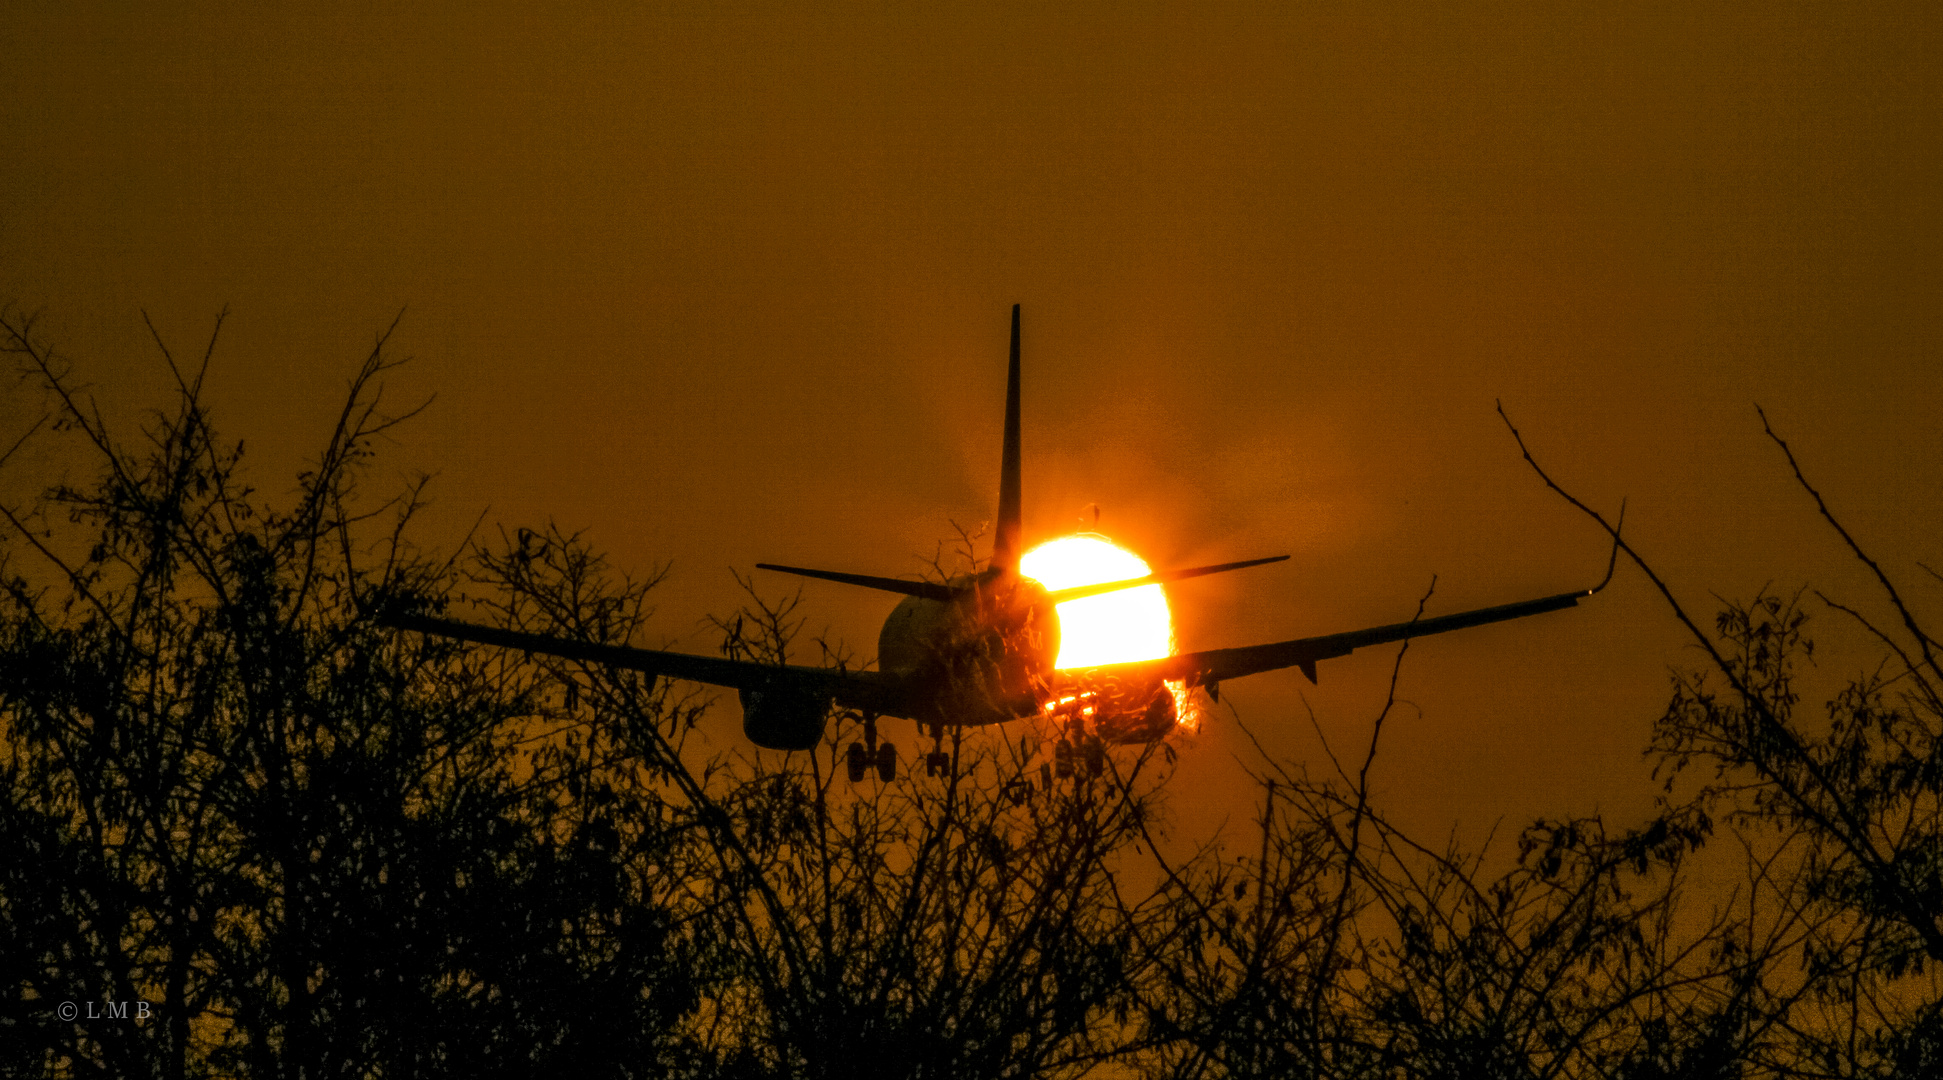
(1111, 628)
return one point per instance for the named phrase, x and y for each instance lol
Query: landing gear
(937, 762)
(1090, 754)
(871, 754)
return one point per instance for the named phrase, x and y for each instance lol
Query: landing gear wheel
(1062, 759)
(857, 760)
(886, 762)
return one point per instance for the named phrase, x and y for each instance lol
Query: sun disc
(1112, 628)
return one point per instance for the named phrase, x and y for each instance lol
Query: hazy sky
(721, 285)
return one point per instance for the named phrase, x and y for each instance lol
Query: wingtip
(1612, 561)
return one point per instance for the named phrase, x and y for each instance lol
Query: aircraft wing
(1209, 667)
(868, 690)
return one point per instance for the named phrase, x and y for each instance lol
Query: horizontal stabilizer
(930, 590)
(1060, 596)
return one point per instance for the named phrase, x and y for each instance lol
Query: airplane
(979, 649)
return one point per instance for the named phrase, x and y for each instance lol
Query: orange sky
(722, 286)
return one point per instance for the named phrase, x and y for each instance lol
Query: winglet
(1005, 536)
(1613, 562)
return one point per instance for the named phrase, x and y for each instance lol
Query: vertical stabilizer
(1005, 537)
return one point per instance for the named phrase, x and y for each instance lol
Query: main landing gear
(937, 762)
(871, 754)
(1076, 750)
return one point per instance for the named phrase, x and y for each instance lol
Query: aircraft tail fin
(1006, 534)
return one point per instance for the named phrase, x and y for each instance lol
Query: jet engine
(1120, 711)
(1138, 713)
(783, 719)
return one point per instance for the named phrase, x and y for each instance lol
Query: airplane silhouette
(979, 649)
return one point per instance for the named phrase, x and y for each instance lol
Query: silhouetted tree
(313, 847)
(1365, 953)
(1841, 824)
(1777, 919)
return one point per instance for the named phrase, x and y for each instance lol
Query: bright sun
(1111, 628)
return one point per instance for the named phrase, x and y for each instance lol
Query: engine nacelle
(783, 719)
(1145, 716)
(1120, 711)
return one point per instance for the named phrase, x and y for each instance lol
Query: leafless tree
(1841, 825)
(309, 847)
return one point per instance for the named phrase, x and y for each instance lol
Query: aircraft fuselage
(983, 657)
